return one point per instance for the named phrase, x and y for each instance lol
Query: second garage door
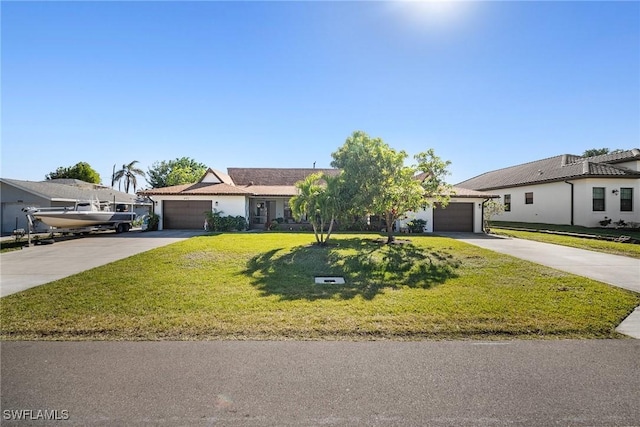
(184, 214)
(455, 217)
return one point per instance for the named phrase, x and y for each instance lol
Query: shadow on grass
(367, 266)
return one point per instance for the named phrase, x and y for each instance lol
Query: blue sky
(283, 84)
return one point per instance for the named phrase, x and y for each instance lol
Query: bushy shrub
(153, 222)
(217, 222)
(417, 225)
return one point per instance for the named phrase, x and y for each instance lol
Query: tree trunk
(322, 241)
(330, 228)
(390, 218)
(315, 231)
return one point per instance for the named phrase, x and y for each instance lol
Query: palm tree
(128, 173)
(319, 200)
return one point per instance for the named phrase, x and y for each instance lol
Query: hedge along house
(568, 189)
(262, 195)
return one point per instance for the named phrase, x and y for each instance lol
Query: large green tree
(82, 171)
(182, 170)
(379, 182)
(319, 199)
(128, 173)
(595, 152)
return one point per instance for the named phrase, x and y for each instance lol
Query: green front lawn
(260, 286)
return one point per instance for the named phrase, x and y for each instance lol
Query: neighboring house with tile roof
(19, 194)
(262, 195)
(567, 189)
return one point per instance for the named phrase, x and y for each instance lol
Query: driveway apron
(616, 270)
(37, 265)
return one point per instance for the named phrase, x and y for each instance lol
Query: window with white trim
(528, 198)
(598, 199)
(626, 199)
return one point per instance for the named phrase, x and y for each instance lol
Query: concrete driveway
(37, 265)
(616, 270)
(620, 271)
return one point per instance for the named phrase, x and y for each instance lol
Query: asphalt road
(516, 383)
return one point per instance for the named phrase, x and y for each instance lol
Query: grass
(597, 231)
(532, 232)
(260, 286)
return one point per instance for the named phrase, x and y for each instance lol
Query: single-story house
(19, 194)
(567, 189)
(262, 194)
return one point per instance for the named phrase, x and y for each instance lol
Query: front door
(271, 210)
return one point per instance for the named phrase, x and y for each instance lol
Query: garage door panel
(184, 214)
(455, 217)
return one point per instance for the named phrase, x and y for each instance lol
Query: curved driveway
(37, 265)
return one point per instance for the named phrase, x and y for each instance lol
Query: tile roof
(199, 188)
(558, 168)
(459, 192)
(271, 190)
(265, 182)
(69, 190)
(273, 176)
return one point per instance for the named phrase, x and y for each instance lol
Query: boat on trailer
(84, 215)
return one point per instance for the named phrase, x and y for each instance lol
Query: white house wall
(552, 202)
(280, 203)
(229, 205)
(633, 165)
(584, 214)
(425, 214)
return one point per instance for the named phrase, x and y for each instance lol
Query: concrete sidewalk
(37, 265)
(620, 271)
